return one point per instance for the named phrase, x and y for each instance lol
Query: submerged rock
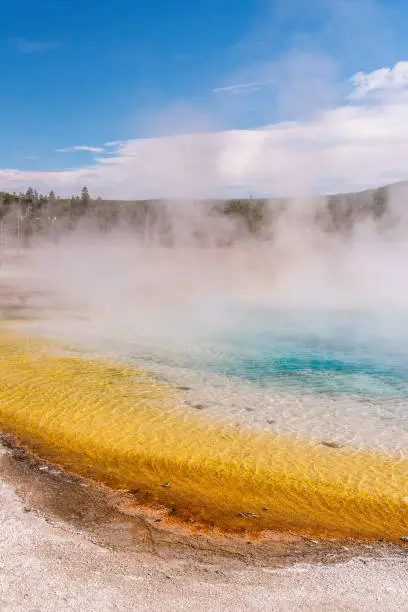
(249, 515)
(331, 444)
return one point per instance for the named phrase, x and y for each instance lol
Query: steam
(306, 254)
(134, 284)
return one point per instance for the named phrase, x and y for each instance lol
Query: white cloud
(113, 143)
(349, 147)
(384, 80)
(82, 148)
(242, 87)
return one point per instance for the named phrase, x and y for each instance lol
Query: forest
(27, 216)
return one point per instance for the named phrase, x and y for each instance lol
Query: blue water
(322, 352)
(338, 376)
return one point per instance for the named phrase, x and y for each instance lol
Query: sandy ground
(50, 562)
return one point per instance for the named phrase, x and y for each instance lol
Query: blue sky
(79, 71)
(83, 73)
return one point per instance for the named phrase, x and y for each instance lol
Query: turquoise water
(362, 354)
(326, 375)
(323, 352)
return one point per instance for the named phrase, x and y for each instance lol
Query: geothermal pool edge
(117, 425)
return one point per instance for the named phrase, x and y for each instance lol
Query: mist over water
(303, 331)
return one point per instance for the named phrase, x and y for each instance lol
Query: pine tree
(85, 197)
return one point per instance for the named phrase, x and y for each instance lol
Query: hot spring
(206, 398)
(326, 375)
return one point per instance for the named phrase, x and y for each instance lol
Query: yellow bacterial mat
(128, 429)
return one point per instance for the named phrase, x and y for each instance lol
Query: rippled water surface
(220, 375)
(362, 354)
(324, 374)
(132, 430)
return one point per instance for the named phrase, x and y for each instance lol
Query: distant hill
(30, 214)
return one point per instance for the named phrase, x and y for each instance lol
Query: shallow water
(201, 423)
(126, 427)
(341, 376)
(335, 352)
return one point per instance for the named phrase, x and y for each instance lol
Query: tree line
(31, 214)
